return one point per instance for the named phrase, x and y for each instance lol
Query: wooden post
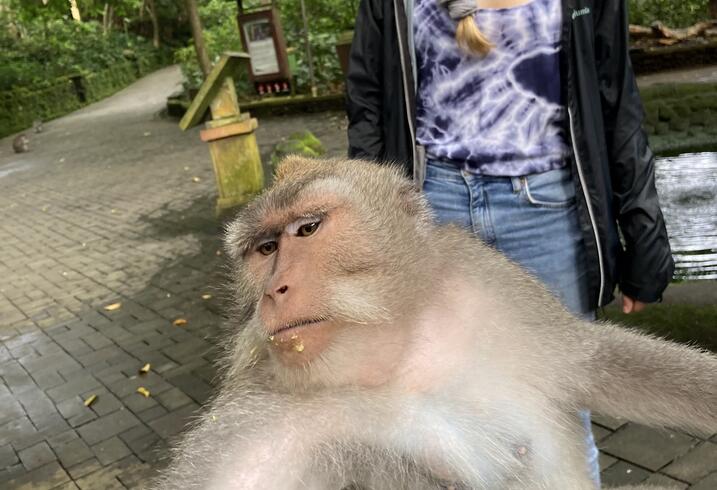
(230, 134)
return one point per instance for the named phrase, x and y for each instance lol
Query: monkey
(371, 346)
(21, 143)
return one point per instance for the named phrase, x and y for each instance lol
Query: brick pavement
(105, 209)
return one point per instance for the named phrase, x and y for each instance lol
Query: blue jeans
(534, 221)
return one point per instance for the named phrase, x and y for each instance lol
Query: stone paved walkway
(115, 205)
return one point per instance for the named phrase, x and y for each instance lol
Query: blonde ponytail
(470, 38)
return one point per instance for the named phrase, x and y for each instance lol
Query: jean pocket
(551, 189)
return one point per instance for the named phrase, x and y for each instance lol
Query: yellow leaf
(196, 179)
(145, 369)
(206, 296)
(90, 400)
(179, 322)
(113, 306)
(143, 391)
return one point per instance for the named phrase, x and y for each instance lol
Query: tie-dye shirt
(497, 115)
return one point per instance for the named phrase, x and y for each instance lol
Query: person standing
(520, 120)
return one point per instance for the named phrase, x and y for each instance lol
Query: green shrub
(670, 12)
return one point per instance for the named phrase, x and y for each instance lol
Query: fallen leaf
(147, 133)
(196, 179)
(186, 169)
(179, 322)
(206, 296)
(145, 369)
(143, 391)
(90, 400)
(219, 252)
(113, 306)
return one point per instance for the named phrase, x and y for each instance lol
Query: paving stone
(664, 482)
(50, 475)
(62, 438)
(17, 430)
(151, 414)
(623, 473)
(138, 477)
(135, 433)
(599, 432)
(139, 403)
(80, 383)
(107, 426)
(73, 452)
(8, 457)
(48, 378)
(12, 472)
(36, 456)
(695, 465)
(85, 468)
(197, 389)
(607, 422)
(605, 461)
(174, 422)
(11, 408)
(110, 450)
(106, 478)
(707, 483)
(67, 486)
(649, 448)
(173, 399)
(105, 403)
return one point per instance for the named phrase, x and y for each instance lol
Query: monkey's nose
(282, 289)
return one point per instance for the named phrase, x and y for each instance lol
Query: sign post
(263, 39)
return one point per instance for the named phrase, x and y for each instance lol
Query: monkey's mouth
(298, 323)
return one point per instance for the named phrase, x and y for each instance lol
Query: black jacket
(611, 159)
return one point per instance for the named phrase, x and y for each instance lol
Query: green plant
(669, 12)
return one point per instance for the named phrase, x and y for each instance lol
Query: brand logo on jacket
(581, 12)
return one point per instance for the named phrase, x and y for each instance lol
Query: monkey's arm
(651, 381)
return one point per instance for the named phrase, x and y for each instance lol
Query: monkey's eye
(267, 248)
(308, 229)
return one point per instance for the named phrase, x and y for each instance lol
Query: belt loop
(517, 183)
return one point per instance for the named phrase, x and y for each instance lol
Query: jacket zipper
(588, 202)
(402, 54)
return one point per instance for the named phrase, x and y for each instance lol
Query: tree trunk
(713, 9)
(75, 11)
(199, 46)
(155, 23)
(107, 17)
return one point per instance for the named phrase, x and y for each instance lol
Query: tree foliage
(327, 19)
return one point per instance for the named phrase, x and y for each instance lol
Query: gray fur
(502, 417)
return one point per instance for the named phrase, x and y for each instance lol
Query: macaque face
(297, 262)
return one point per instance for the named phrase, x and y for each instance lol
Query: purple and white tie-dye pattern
(497, 115)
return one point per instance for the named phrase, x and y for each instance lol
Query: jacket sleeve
(646, 265)
(363, 83)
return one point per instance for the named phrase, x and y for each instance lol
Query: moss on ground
(690, 324)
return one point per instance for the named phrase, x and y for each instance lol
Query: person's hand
(630, 305)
